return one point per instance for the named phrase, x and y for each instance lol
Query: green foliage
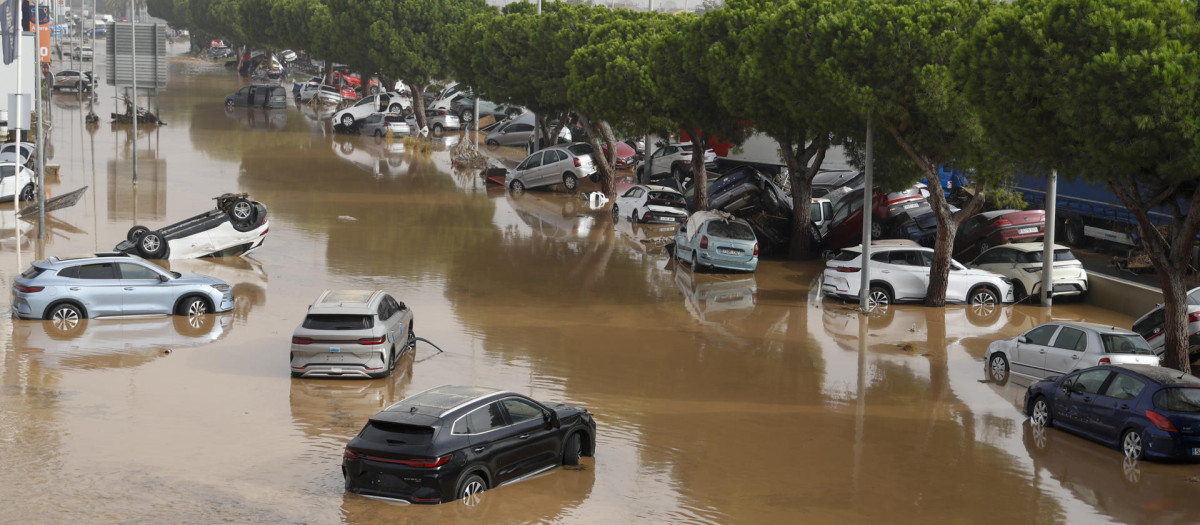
(610, 76)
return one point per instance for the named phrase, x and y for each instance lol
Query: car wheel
(492, 144)
(470, 489)
(228, 103)
(677, 172)
(412, 337)
(571, 450)
(193, 306)
(636, 217)
(152, 245)
(570, 181)
(695, 262)
(65, 318)
(79, 87)
(466, 116)
(28, 193)
(998, 369)
(983, 304)
(1019, 293)
(517, 186)
(347, 120)
(878, 297)
(1040, 414)
(616, 214)
(876, 228)
(437, 129)
(378, 133)
(1074, 234)
(1131, 444)
(136, 233)
(595, 177)
(395, 108)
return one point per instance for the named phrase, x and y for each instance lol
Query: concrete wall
(1116, 294)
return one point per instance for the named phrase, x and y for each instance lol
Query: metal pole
(41, 156)
(1048, 240)
(475, 110)
(864, 283)
(648, 152)
(92, 91)
(16, 121)
(539, 7)
(133, 31)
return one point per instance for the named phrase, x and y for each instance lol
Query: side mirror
(163, 278)
(1022, 339)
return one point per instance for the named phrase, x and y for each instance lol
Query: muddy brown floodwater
(720, 398)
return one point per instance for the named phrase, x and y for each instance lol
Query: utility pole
(1048, 240)
(864, 273)
(133, 31)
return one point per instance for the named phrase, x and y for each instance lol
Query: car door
(389, 315)
(527, 171)
(959, 282)
(552, 167)
(144, 292)
(240, 97)
(627, 202)
(1030, 354)
(99, 289)
(529, 440)
(906, 272)
(1111, 407)
(1064, 353)
(1073, 402)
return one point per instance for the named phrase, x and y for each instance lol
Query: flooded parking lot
(742, 398)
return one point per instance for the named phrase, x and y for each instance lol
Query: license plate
(911, 206)
(730, 251)
(335, 349)
(1024, 231)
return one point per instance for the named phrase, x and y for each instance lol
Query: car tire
(636, 217)
(876, 229)
(1132, 445)
(616, 214)
(1074, 234)
(517, 186)
(395, 108)
(192, 305)
(152, 245)
(411, 342)
(492, 144)
(65, 318)
(878, 297)
(1040, 413)
(571, 450)
(470, 488)
(1019, 293)
(347, 120)
(998, 369)
(437, 129)
(984, 246)
(228, 103)
(696, 262)
(28, 193)
(570, 181)
(595, 177)
(136, 233)
(466, 116)
(983, 304)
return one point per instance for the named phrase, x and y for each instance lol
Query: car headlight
(221, 287)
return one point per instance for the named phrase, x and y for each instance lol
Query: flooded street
(719, 398)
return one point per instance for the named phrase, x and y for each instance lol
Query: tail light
(754, 298)
(755, 248)
(577, 162)
(28, 289)
(1003, 222)
(347, 453)
(1161, 421)
(425, 463)
(704, 241)
(373, 340)
(264, 232)
(441, 112)
(301, 340)
(1104, 361)
(1194, 316)
(848, 269)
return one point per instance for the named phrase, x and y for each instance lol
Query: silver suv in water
(67, 289)
(352, 333)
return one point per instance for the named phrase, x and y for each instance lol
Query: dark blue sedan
(1145, 410)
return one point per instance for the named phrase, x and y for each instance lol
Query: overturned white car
(237, 226)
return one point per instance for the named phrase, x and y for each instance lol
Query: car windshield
(1036, 257)
(846, 255)
(338, 322)
(731, 230)
(580, 150)
(393, 118)
(1125, 344)
(396, 433)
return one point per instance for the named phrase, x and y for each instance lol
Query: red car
(625, 155)
(997, 227)
(847, 214)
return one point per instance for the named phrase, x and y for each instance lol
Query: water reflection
(115, 343)
(245, 274)
(377, 156)
(717, 298)
(259, 119)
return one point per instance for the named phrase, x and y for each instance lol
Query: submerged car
(714, 239)
(454, 442)
(564, 164)
(72, 79)
(379, 124)
(1061, 347)
(258, 96)
(993, 228)
(1022, 262)
(236, 226)
(1151, 326)
(900, 273)
(1144, 411)
(651, 204)
(352, 333)
(66, 289)
(13, 179)
(19, 153)
(438, 120)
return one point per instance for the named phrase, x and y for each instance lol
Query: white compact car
(901, 274)
(676, 159)
(10, 152)
(381, 103)
(14, 178)
(651, 204)
(1022, 262)
(237, 226)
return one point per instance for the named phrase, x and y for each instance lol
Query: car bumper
(1171, 445)
(350, 361)
(369, 477)
(729, 262)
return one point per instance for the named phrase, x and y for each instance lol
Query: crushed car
(236, 226)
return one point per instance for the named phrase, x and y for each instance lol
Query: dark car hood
(925, 221)
(563, 410)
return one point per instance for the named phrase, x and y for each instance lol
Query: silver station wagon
(352, 333)
(1061, 347)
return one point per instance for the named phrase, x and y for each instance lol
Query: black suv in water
(454, 442)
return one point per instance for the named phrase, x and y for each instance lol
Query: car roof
(1097, 327)
(356, 302)
(1028, 246)
(656, 187)
(887, 245)
(439, 401)
(1160, 374)
(63, 260)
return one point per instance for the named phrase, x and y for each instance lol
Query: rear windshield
(731, 230)
(32, 272)
(666, 198)
(393, 118)
(1125, 344)
(1036, 257)
(396, 433)
(338, 322)
(580, 150)
(846, 255)
(1178, 399)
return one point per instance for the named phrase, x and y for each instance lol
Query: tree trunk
(595, 131)
(801, 173)
(699, 174)
(947, 228)
(1170, 257)
(418, 96)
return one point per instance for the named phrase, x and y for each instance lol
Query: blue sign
(43, 15)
